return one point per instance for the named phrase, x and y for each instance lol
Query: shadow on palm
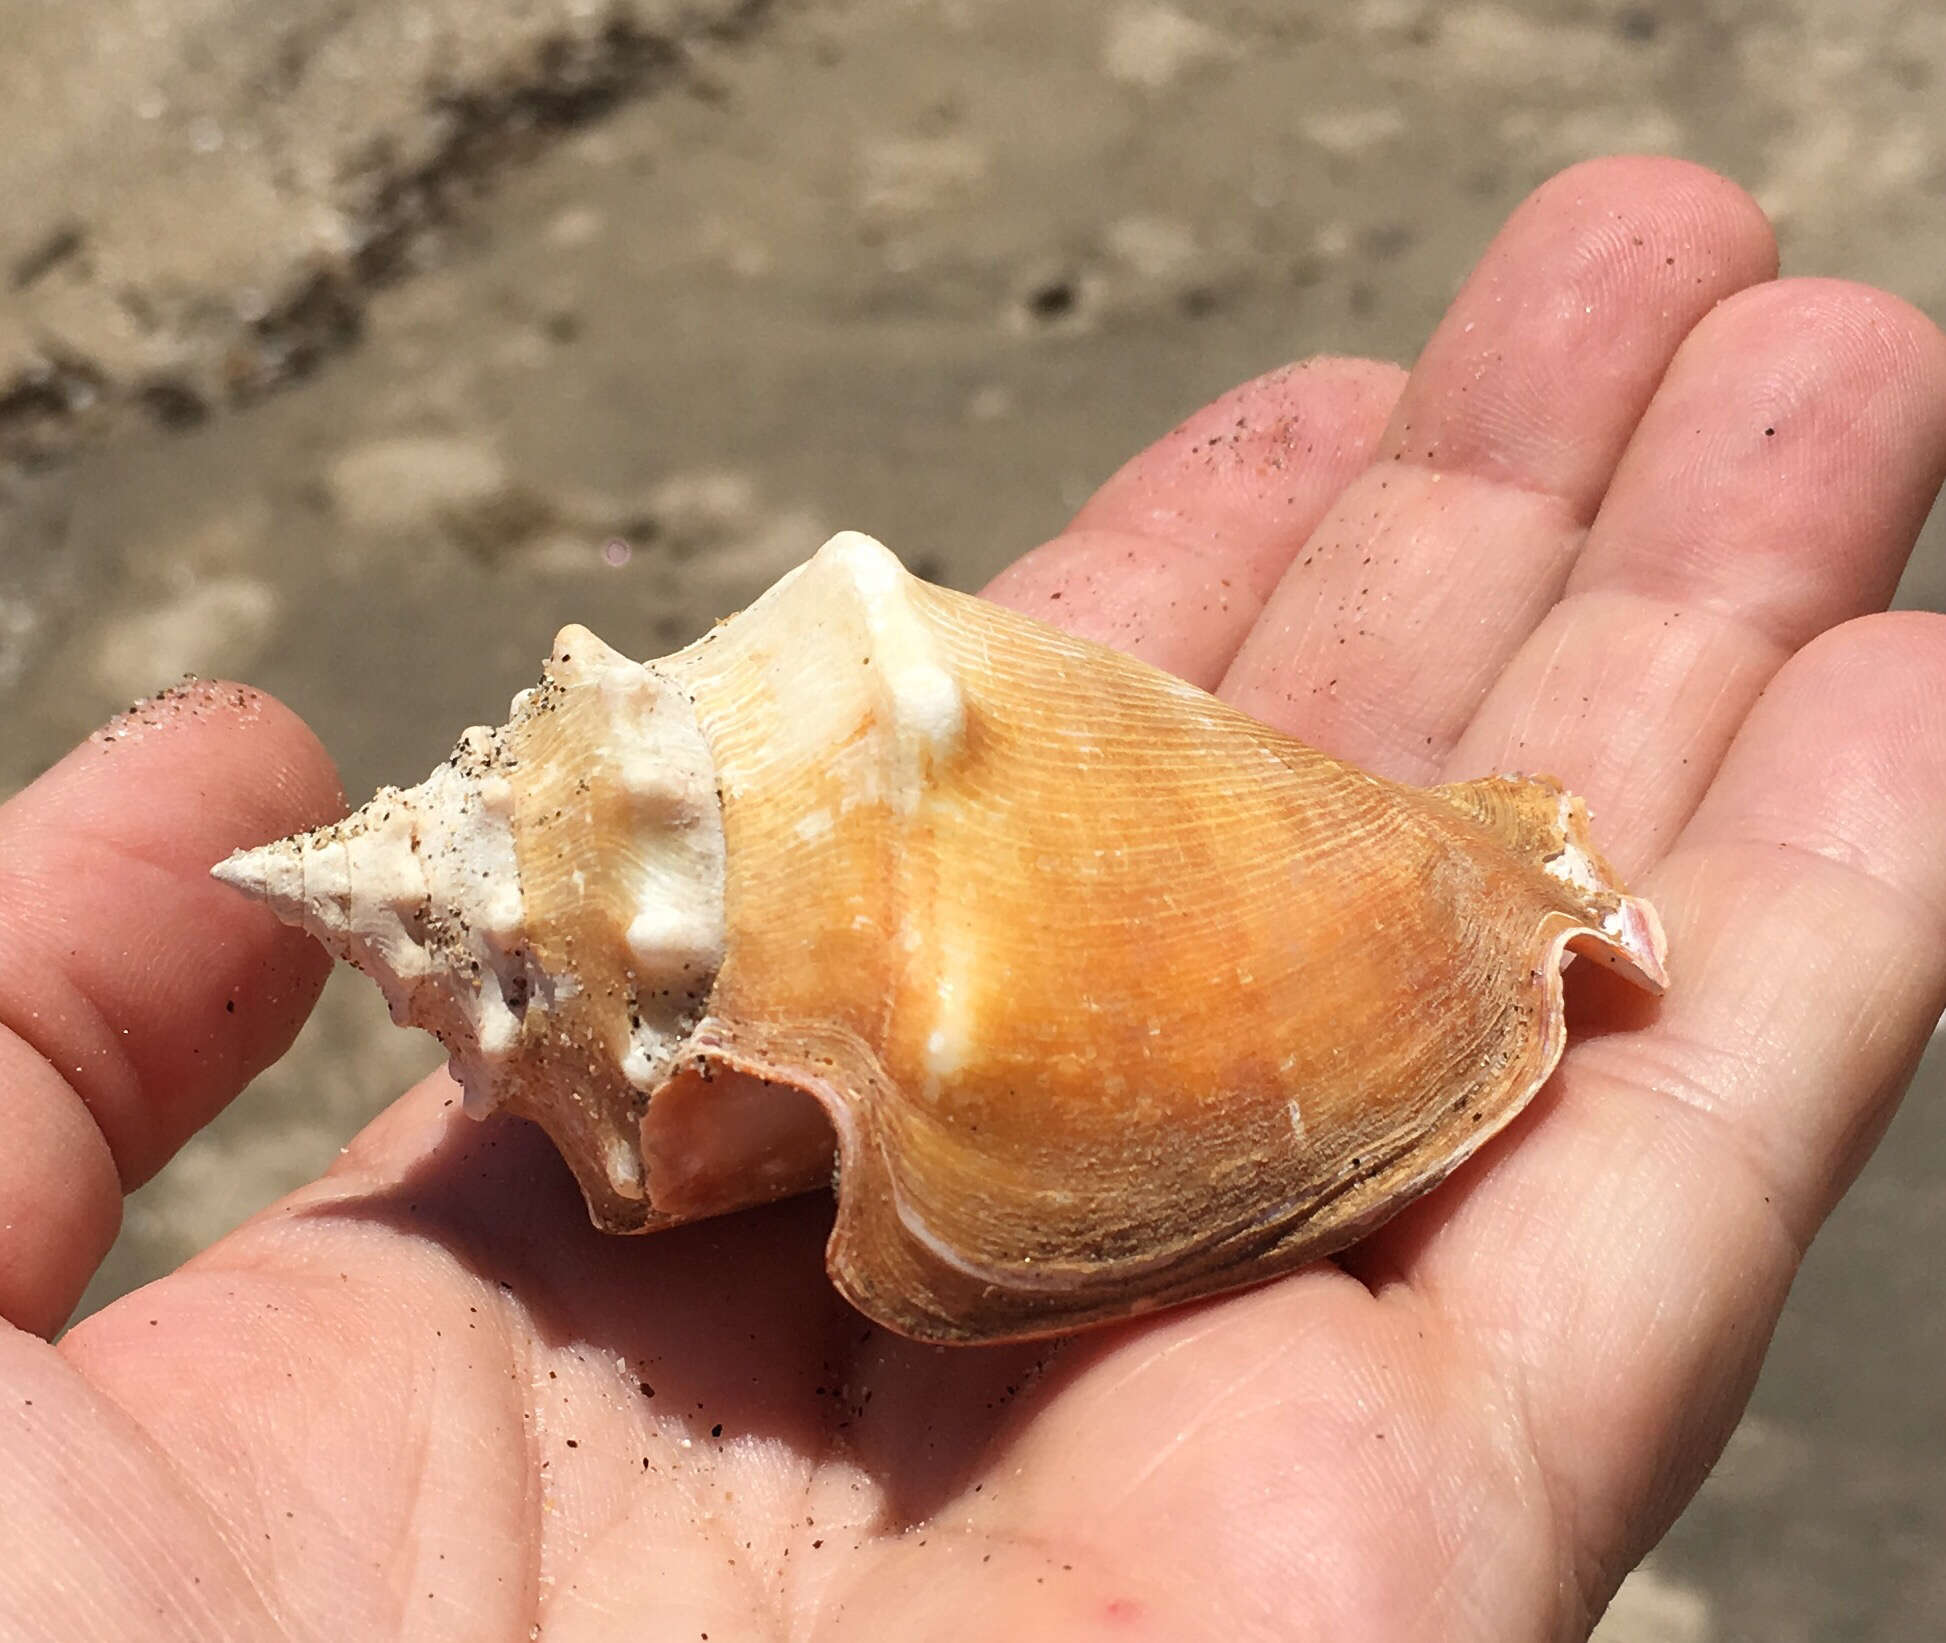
(729, 1327)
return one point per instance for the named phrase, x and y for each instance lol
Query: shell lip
(1631, 940)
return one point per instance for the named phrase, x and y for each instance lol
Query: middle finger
(1773, 490)
(1396, 617)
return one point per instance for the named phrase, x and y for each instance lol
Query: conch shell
(1093, 994)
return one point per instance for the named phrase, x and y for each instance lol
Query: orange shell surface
(1111, 996)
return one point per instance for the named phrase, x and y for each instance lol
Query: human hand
(1629, 487)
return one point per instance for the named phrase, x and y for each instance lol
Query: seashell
(1092, 993)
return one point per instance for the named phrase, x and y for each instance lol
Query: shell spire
(1098, 994)
(420, 889)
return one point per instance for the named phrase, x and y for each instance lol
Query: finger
(1775, 488)
(1172, 559)
(139, 995)
(1624, 1262)
(1390, 626)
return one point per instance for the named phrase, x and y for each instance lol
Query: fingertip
(274, 772)
(1833, 334)
(152, 990)
(1786, 463)
(1541, 368)
(229, 766)
(1681, 191)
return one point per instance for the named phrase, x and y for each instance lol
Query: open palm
(1619, 525)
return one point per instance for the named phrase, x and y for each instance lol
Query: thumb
(137, 996)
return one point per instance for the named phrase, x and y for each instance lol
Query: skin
(1624, 522)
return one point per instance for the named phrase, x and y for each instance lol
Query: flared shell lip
(1635, 945)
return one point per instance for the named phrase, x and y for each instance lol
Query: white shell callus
(1105, 995)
